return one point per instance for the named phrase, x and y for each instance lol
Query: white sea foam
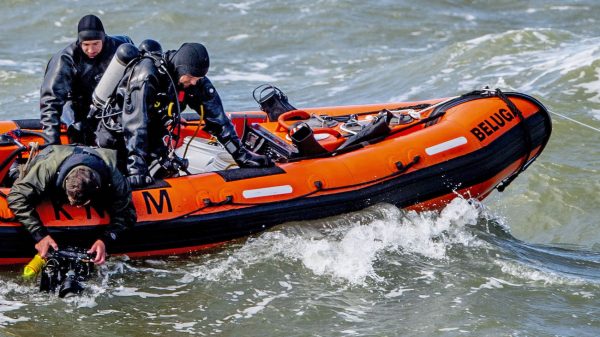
(350, 317)
(536, 60)
(593, 87)
(352, 257)
(7, 63)
(312, 71)
(259, 301)
(216, 269)
(533, 276)
(350, 251)
(584, 294)
(237, 75)
(416, 90)
(8, 290)
(253, 310)
(131, 291)
(551, 63)
(448, 329)
(257, 66)
(106, 312)
(87, 299)
(243, 7)
(238, 37)
(286, 285)
(186, 327)
(333, 91)
(64, 40)
(13, 68)
(7, 75)
(566, 8)
(493, 283)
(397, 292)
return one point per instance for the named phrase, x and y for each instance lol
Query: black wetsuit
(69, 82)
(143, 96)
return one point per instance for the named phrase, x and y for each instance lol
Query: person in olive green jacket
(79, 176)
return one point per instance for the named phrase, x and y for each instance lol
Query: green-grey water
(526, 262)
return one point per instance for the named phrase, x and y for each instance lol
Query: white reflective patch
(267, 191)
(445, 146)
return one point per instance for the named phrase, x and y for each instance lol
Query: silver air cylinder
(113, 74)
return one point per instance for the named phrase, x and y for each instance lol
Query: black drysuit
(143, 96)
(69, 82)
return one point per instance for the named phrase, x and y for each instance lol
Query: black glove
(139, 180)
(137, 172)
(246, 158)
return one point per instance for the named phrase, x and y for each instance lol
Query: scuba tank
(150, 47)
(126, 53)
(33, 268)
(113, 74)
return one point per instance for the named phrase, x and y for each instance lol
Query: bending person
(78, 176)
(150, 88)
(70, 78)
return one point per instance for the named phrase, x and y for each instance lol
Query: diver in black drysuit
(69, 81)
(143, 96)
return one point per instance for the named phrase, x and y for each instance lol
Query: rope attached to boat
(528, 143)
(574, 121)
(195, 132)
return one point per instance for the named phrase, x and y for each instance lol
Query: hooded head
(81, 185)
(90, 28)
(191, 59)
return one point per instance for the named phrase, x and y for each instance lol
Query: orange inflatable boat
(330, 160)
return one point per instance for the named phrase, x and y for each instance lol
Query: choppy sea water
(524, 263)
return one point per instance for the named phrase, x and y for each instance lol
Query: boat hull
(475, 145)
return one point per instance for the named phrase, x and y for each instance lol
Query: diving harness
(108, 110)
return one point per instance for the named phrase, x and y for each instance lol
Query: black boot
(244, 157)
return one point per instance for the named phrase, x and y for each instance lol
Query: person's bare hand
(100, 249)
(44, 244)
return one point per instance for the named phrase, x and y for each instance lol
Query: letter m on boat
(159, 206)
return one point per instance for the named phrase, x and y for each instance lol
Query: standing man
(78, 176)
(70, 79)
(149, 91)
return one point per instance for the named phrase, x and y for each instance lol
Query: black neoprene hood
(191, 59)
(90, 28)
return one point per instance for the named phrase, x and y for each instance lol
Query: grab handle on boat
(210, 203)
(403, 168)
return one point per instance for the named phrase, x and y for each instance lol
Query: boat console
(259, 139)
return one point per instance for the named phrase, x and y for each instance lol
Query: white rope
(574, 121)
(417, 114)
